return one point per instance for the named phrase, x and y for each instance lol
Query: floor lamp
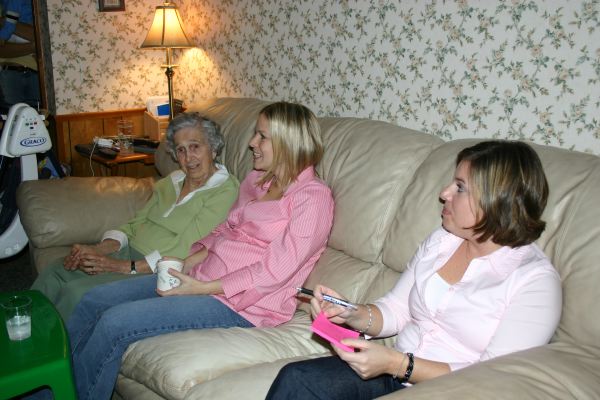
(167, 33)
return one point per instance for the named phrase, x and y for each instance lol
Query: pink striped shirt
(507, 301)
(265, 249)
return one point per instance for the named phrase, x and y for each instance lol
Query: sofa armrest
(556, 371)
(61, 212)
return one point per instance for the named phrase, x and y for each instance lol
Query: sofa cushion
(419, 212)
(357, 280)
(522, 375)
(132, 390)
(164, 161)
(368, 164)
(171, 364)
(571, 239)
(246, 383)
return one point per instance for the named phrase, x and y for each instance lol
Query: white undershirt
(435, 290)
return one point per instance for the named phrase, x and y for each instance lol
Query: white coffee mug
(165, 280)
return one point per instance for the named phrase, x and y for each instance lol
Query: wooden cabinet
(73, 129)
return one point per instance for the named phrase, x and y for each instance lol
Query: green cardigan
(149, 230)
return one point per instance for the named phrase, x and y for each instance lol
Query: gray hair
(209, 129)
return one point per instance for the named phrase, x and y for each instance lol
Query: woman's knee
(291, 371)
(110, 328)
(289, 381)
(74, 290)
(49, 281)
(91, 304)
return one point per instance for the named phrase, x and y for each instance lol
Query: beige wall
(511, 69)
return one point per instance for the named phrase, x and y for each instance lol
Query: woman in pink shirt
(476, 289)
(243, 274)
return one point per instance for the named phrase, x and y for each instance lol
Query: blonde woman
(243, 274)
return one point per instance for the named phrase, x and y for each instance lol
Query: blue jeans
(328, 378)
(110, 317)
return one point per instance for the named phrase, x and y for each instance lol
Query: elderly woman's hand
(93, 264)
(73, 260)
(80, 251)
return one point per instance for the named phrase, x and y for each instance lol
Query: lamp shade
(167, 29)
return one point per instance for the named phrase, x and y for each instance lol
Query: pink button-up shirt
(265, 249)
(507, 301)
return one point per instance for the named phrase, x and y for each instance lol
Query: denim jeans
(328, 378)
(110, 317)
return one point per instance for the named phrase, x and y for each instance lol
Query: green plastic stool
(44, 359)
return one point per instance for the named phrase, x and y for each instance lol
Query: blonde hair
(296, 140)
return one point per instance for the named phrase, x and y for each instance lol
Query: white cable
(91, 154)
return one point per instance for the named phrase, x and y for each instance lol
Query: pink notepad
(332, 332)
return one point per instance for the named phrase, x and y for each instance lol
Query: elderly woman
(243, 274)
(476, 289)
(185, 206)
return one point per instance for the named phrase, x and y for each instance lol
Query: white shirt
(507, 301)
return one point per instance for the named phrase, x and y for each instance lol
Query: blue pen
(329, 298)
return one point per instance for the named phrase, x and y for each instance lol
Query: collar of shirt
(501, 262)
(177, 178)
(307, 175)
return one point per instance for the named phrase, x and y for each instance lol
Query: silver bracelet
(370, 320)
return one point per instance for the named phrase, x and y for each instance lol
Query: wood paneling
(73, 129)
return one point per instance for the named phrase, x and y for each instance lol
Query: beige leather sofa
(386, 181)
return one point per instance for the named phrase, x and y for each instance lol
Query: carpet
(16, 272)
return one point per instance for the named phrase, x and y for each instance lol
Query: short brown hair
(510, 187)
(296, 138)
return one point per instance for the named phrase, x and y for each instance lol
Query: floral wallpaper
(510, 69)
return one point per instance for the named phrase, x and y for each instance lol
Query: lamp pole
(170, 72)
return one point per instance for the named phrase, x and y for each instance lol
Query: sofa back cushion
(48, 222)
(164, 161)
(419, 212)
(366, 163)
(571, 238)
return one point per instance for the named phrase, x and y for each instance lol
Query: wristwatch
(133, 271)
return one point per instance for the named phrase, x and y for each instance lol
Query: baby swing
(23, 136)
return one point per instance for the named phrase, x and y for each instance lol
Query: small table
(113, 163)
(44, 359)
